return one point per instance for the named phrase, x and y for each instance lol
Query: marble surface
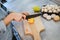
(52, 29)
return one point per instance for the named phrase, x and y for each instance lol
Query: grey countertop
(52, 29)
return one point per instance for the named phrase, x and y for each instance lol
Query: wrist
(9, 18)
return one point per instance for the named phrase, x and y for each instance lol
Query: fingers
(20, 17)
(24, 17)
(25, 13)
(17, 17)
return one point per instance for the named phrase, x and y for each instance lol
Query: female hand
(20, 16)
(15, 16)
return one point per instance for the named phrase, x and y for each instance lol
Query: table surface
(52, 29)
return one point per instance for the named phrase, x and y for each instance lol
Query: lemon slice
(31, 21)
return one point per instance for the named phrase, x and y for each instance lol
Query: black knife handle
(32, 16)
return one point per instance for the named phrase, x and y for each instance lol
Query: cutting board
(34, 29)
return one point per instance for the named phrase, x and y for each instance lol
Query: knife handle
(33, 16)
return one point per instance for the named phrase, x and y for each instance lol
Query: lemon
(36, 8)
(31, 21)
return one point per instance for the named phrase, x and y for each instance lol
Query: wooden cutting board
(34, 29)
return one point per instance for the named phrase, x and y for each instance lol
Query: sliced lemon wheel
(31, 21)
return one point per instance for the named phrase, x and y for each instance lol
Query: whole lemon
(36, 8)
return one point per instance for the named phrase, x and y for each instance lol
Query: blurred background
(52, 29)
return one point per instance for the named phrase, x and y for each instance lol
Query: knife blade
(33, 16)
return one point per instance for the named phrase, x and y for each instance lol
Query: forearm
(8, 19)
(15, 16)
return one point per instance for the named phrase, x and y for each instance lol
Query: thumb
(24, 17)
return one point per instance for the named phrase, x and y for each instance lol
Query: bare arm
(8, 19)
(15, 16)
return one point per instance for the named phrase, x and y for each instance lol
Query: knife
(33, 16)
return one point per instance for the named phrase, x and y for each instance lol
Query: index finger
(25, 13)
